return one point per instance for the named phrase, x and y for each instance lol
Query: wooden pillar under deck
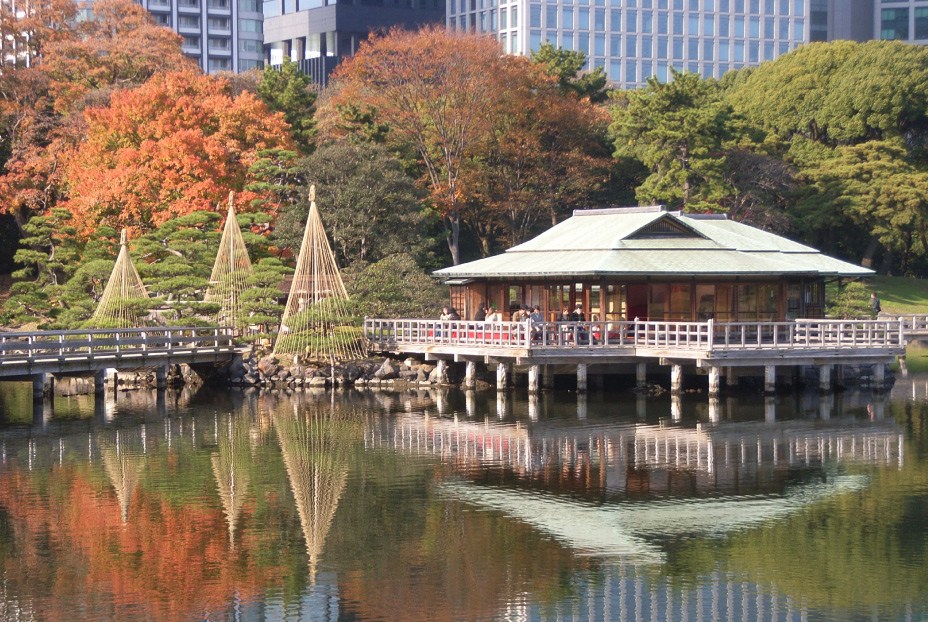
(581, 376)
(470, 374)
(534, 372)
(676, 378)
(770, 379)
(502, 377)
(641, 375)
(879, 377)
(714, 380)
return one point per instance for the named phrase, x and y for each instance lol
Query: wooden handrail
(709, 336)
(108, 341)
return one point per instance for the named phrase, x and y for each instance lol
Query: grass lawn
(899, 294)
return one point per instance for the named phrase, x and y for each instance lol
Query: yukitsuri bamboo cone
(230, 272)
(230, 468)
(123, 286)
(316, 323)
(314, 445)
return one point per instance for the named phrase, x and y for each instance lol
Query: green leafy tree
(838, 93)
(85, 288)
(278, 180)
(877, 189)
(175, 261)
(369, 205)
(287, 90)
(49, 256)
(852, 300)
(261, 304)
(676, 129)
(360, 124)
(567, 66)
(393, 287)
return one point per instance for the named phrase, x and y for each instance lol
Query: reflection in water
(439, 505)
(230, 467)
(123, 466)
(314, 441)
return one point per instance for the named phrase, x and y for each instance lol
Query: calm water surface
(449, 506)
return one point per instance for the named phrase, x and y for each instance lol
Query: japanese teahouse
(652, 264)
(656, 288)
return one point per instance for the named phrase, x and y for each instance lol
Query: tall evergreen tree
(287, 90)
(568, 67)
(677, 129)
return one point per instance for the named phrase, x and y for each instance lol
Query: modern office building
(635, 39)
(223, 35)
(904, 20)
(319, 33)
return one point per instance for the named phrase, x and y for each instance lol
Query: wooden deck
(705, 343)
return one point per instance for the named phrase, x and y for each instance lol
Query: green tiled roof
(620, 241)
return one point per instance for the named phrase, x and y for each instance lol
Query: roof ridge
(634, 209)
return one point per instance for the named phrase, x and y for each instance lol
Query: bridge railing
(88, 343)
(914, 323)
(703, 336)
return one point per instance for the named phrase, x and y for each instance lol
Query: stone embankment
(254, 370)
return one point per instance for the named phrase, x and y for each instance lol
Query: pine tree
(49, 257)
(176, 261)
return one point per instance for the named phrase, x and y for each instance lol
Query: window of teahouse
(515, 299)
(767, 302)
(458, 298)
(705, 302)
(724, 303)
(558, 299)
(595, 303)
(680, 303)
(793, 301)
(615, 302)
(747, 303)
(813, 297)
(657, 301)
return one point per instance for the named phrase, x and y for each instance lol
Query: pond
(445, 505)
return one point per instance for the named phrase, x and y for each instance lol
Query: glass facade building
(905, 20)
(317, 34)
(222, 35)
(633, 40)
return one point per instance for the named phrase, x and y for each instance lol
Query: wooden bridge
(706, 344)
(40, 355)
(915, 326)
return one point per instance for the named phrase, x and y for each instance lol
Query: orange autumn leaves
(173, 146)
(108, 118)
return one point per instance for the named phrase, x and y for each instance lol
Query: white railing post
(710, 338)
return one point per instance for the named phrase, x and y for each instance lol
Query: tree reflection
(232, 469)
(123, 466)
(315, 441)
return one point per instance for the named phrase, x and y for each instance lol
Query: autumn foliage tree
(545, 155)
(437, 90)
(171, 147)
(121, 46)
(44, 87)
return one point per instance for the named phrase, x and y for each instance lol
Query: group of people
(489, 313)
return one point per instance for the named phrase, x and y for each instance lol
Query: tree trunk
(454, 236)
(887, 265)
(867, 260)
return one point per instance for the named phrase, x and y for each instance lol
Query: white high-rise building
(222, 35)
